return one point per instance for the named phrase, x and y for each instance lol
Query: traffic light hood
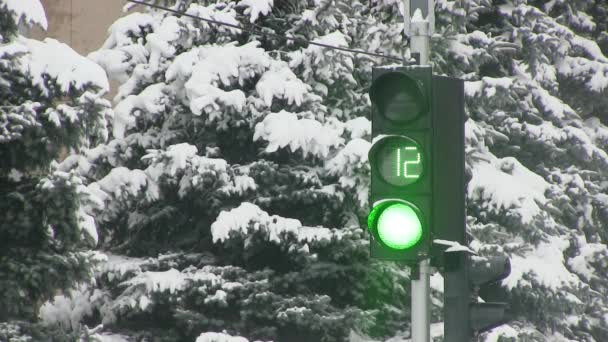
(398, 97)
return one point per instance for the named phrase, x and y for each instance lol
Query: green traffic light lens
(399, 226)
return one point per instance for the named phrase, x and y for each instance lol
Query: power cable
(274, 35)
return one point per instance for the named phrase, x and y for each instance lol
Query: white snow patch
(505, 331)
(171, 280)
(588, 252)
(249, 217)
(119, 33)
(151, 100)
(436, 282)
(31, 11)
(59, 62)
(219, 337)
(109, 337)
(285, 129)
(505, 184)
(256, 7)
(87, 224)
(546, 263)
(359, 127)
(280, 82)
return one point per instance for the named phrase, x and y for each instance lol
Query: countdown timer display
(400, 160)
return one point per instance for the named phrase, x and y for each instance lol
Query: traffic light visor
(396, 224)
(398, 97)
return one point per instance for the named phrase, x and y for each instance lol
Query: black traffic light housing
(411, 103)
(402, 119)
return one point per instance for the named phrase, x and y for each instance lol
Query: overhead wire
(269, 34)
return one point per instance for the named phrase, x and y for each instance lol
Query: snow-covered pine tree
(536, 97)
(50, 101)
(235, 179)
(232, 151)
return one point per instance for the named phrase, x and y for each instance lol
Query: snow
(359, 127)
(455, 246)
(219, 337)
(162, 42)
(171, 280)
(280, 82)
(151, 100)
(285, 129)
(582, 68)
(119, 61)
(217, 12)
(183, 158)
(15, 175)
(218, 297)
(121, 179)
(240, 185)
(546, 263)
(354, 154)
(109, 337)
(69, 310)
(436, 282)
(256, 7)
(117, 266)
(58, 61)
(87, 224)
(248, 218)
(505, 184)
(216, 66)
(31, 11)
(504, 331)
(551, 104)
(587, 253)
(121, 31)
(310, 16)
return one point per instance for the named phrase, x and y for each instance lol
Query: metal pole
(421, 315)
(419, 28)
(420, 38)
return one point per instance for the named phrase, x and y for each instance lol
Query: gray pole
(421, 315)
(419, 28)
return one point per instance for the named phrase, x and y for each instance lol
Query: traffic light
(401, 163)
(466, 278)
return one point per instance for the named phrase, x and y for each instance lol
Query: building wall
(82, 24)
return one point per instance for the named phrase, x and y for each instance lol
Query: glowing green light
(399, 226)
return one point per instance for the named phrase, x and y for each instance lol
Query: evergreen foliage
(46, 227)
(234, 185)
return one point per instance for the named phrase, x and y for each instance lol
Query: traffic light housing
(467, 277)
(401, 163)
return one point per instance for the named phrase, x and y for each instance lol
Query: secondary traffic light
(401, 163)
(466, 278)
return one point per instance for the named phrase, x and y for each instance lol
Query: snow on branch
(57, 61)
(285, 129)
(151, 101)
(546, 263)
(248, 218)
(219, 337)
(31, 11)
(352, 167)
(505, 184)
(254, 8)
(182, 158)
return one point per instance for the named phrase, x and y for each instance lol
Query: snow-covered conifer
(50, 102)
(235, 182)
